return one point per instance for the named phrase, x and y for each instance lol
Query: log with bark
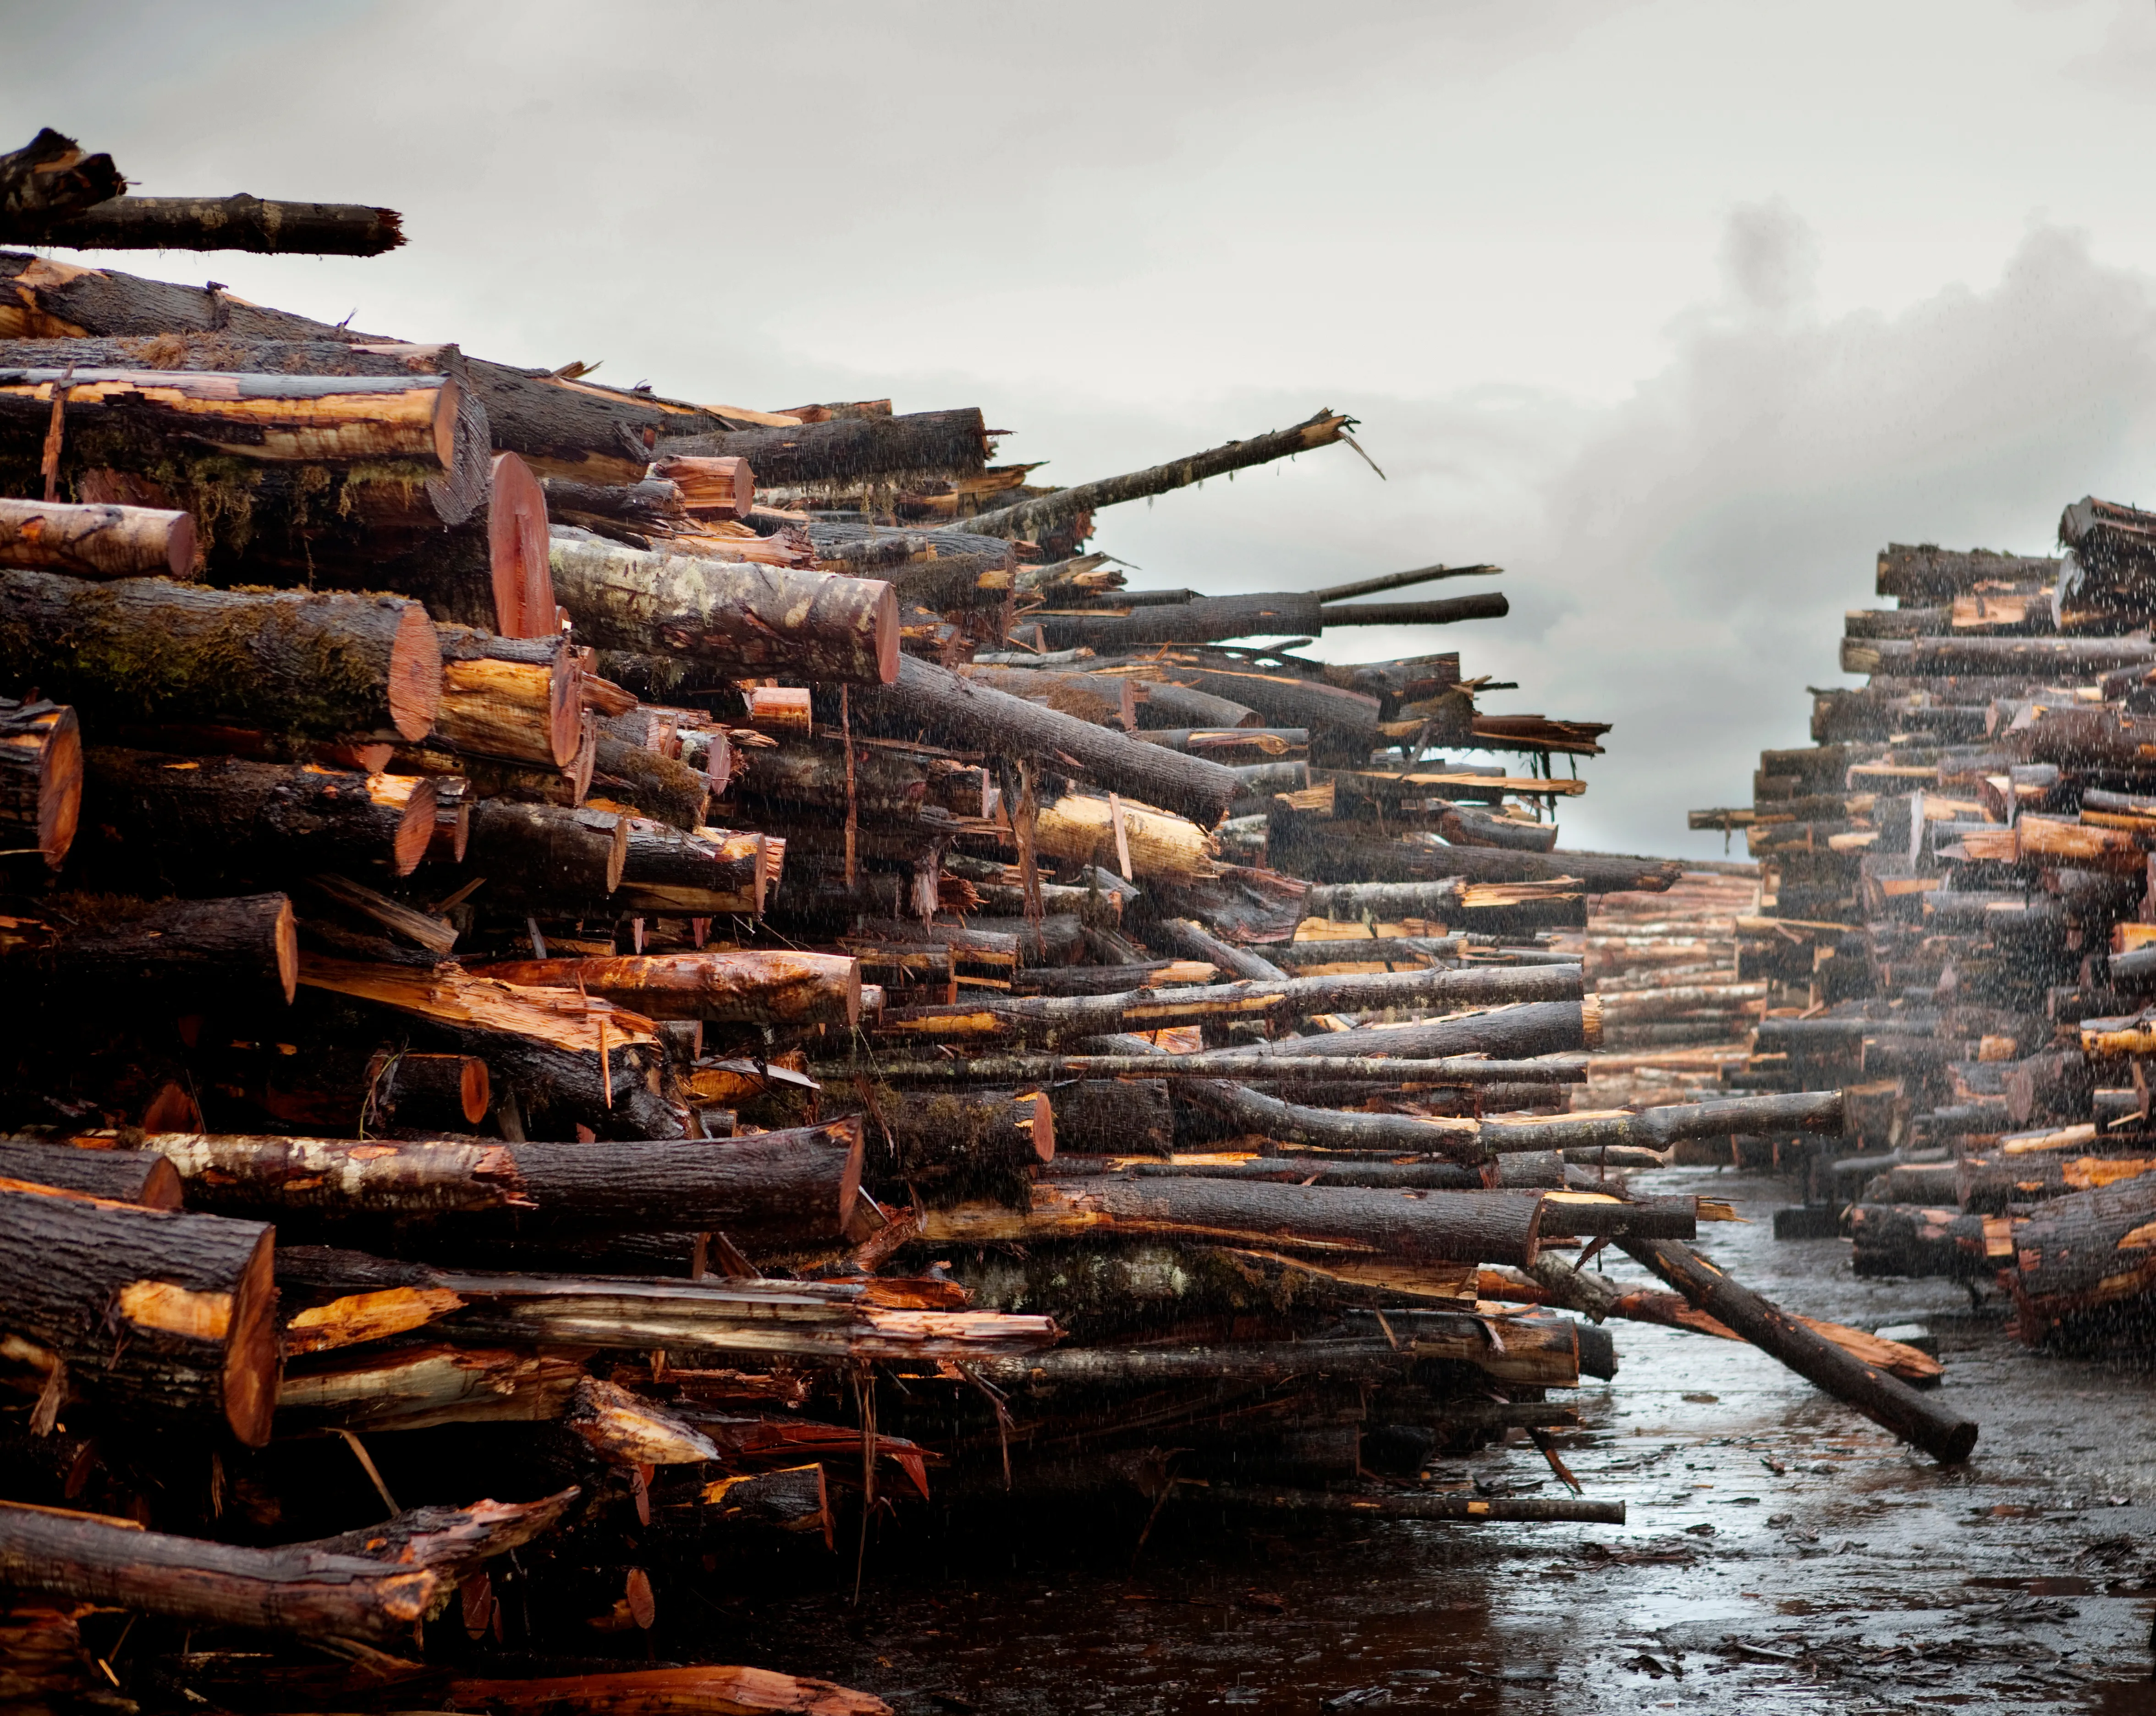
(1329, 854)
(118, 1176)
(239, 951)
(40, 778)
(775, 988)
(239, 221)
(96, 541)
(2077, 1253)
(847, 452)
(702, 873)
(942, 1139)
(146, 650)
(746, 618)
(548, 852)
(161, 1311)
(1469, 1068)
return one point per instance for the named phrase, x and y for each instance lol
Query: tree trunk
(1437, 1227)
(705, 874)
(1231, 747)
(239, 222)
(1912, 1240)
(850, 452)
(1206, 619)
(1332, 1128)
(1515, 1033)
(753, 620)
(413, 1090)
(1051, 1019)
(1081, 828)
(1487, 604)
(931, 703)
(798, 1186)
(1343, 724)
(2039, 660)
(221, 815)
(1940, 1431)
(243, 952)
(776, 988)
(1271, 1067)
(155, 1311)
(1327, 854)
(40, 778)
(96, 541)
(1032, 519)
(1413, 951)
(1102, 1115)
(585, 1062)
(662, 788)
(2075, 1253)
(519, 699)
(547, 853)
(421, 1387)
(119, 1176)
(946, 1139)
(1162, 703)
(1195, 942)
(1102, 699)
(145, 650)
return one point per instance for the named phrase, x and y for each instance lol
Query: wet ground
(1782, 1556)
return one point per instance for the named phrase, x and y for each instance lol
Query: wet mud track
(1781, 1554)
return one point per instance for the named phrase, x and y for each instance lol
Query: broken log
(40, 778)
(317, 666)
(1880, 1396)
(96, 541)
(161, 1311)
(751, 618)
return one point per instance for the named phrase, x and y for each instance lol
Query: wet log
(146, 650)
(1229, 746)
(1463, 825)
(704, 874)
(1241, 1063)
(845, 453)
(2040, 660)
(239, 222)
(751, 618)
(722, 487)
(547, 852)
(1052, 1019)
(160, 1312)
(662, 788)
(516, 699)
(1327, 854)
(50, 178)
(414, 1090)
(1434, 1227)
(779, 987)
(1487, 604)
(1168, 706)
(708, 1691)
(96, 541)
(1034, 518)
(1102, 699)
(1206, 619)
(942, 1137)
(580, 1061)
(1193, 941)
(218, 814)
(2077, 1253)
(118, 1176)
(240, 951)
(1516, 1033)
(931, 703)
(1250, 1111)
(421, 1387)
(1404, 950)
(1940, 1431)
(1570, 1510)
(1130, 1116)
(40, 778)
(798, 1185)
(372, 1586)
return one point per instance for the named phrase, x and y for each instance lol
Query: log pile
(1957, 898)
(591, 1020)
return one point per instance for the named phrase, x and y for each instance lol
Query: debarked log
(753, 619)
(1421, 1226)
(162, 1311)
(96, 541)
(147, 650)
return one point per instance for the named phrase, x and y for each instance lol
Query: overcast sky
(1676, 309)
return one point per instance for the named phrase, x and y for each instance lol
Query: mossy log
(1125, 1116)
(40, 778)
(161, 1311)
(243, 951)
(662, 788)
(96, 541)
(210, 815)
(316, 666)
(752, 619)
(940, 1140)
(777, 986)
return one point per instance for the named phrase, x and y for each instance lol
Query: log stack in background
(1957, 904)
(628, 983)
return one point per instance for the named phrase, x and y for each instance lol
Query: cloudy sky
(1677, 309)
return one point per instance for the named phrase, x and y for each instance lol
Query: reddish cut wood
(40, 778)
(96, 541)
(517, 550)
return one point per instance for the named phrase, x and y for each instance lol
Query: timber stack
(1958, 928)
(613, 987)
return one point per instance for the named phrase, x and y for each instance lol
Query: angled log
(778, 987)
(1937, 1429)
(1032, 519)
(750, 619)
(1401, 581)
(239, 222)
(96, 541)
(197, 815)
(1436, 1227)
(240, 951)
(40, 778)
(1251, 1111)
(190, 1298)
(927, 702)
(146, 650)
(1193, 941)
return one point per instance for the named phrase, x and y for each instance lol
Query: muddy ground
(1781, 1555)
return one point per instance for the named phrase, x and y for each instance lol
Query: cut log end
(252, 1369)
(1043, 1127)
(850, 1181)
(161, 1187)
(475, 1089)
(886, 635)
(415, 831)
(284, 937)
(415, 673)
(60, 788)
(516, 549)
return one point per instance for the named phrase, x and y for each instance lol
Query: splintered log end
(415, 673)
(415, 828)
(1043, 1127)
(885, 623)
(252, 1369)
(516, 551)
(285, 941)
